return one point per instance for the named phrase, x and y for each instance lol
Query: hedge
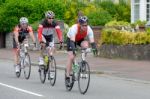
(114, 36)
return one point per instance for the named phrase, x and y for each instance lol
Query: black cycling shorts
(76, 43)
(20, 39)
(48, 38)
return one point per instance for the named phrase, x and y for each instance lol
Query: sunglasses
(50, 18)
(84, 25)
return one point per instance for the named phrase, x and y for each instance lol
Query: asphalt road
(101, 86)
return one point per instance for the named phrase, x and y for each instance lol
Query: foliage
(99, 17)
(114, 36)
(98, 12)
(12, 10)
(140, 23)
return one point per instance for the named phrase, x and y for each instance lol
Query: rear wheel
(52, 70)
(70, 85)
(27, 66)
(84, 77)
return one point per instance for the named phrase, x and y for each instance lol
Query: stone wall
(136, 52)
(97, 33)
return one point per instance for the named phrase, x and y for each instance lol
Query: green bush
(114, 36)
(99, 17)
(12, 10)
(117, 23)
(99, 13)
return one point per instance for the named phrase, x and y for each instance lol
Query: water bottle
(46, 60)
(76, 69)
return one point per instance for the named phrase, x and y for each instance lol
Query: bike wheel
(70, 86)
(42, 73)
(52, 70)
(84, 77)
(27, 66)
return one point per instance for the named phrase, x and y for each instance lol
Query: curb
(63, 68)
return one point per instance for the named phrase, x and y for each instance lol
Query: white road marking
(22, 90)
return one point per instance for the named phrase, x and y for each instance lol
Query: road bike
(80, 73)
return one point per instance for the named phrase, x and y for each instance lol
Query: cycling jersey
(75, 31)
(47, 29)
(22, 33)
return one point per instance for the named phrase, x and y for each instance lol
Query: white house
(140, 10)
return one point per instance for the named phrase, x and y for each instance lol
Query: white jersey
(73, 31)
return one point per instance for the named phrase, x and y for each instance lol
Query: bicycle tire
(82, 70)
(52, 70)
(27, 66)
(69, 88)
(42, 73)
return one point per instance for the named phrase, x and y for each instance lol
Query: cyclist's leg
(70, 59)
(50, 40)
(42, 49)
(16, 56)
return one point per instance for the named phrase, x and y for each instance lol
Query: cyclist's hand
(61, 45)
(18, 45)
(95, 51)
(34, 48)
(34, 45)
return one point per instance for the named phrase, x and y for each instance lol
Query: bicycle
(24, 60)
(49, 67)
(80, 71)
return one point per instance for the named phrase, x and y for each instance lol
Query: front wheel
(27, 66)
(42, 73)
(84, 77)
(52, 70)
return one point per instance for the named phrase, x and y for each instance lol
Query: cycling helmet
(23, 20)
(83, 19)
(49, 14)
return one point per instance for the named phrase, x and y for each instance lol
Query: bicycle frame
(83, 59)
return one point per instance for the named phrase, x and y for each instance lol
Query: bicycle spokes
(27, 66)
(52, 71)
(84, 78)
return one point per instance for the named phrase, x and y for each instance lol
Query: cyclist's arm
(40, 29)
(90, 34)
(91, 37)
(59, 33)
(16, 34)
(31, 34)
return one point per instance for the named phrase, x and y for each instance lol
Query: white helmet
(49, 14)
(23, 20)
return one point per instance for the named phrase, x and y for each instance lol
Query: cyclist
(20, 33)
(46, 30)
(77, 36)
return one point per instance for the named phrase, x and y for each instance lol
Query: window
(148, 10)
(136, 1)
(136, 10)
